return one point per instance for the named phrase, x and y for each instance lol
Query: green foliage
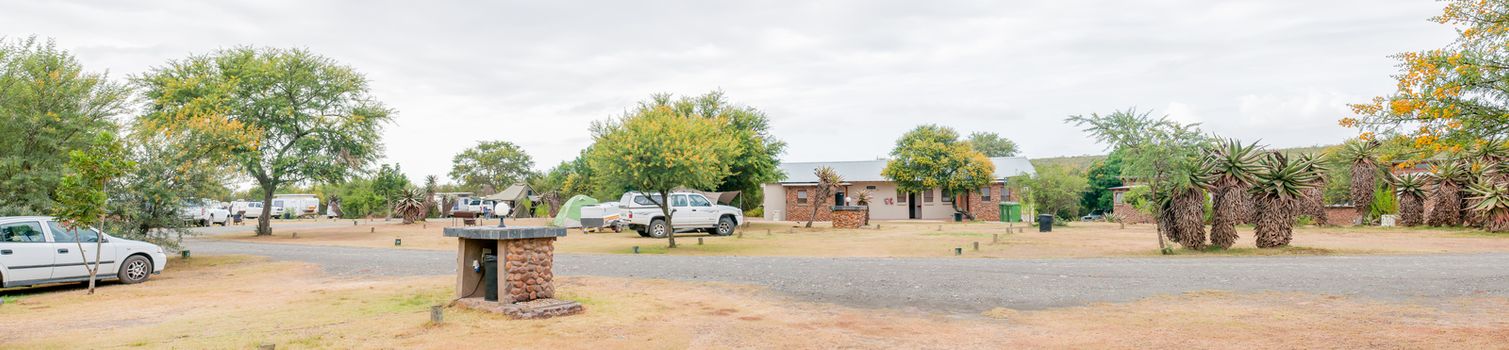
(655, 149)
(1056, 190)
(1163, 154)
(389, 183)
(1281, 177)
(495, 163)
(931, 156)
(1384, 203)
(167, 174)
(81, 195)
(282, 116)
(51, 106)
(1103, 175)
(992, 145)
(755, 157)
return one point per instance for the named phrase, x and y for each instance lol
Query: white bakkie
(39, 250)
(690, 212)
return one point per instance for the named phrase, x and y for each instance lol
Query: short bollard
(940, 227)
(437, 314)
(397, 242)
(372, 230)
(741, 234)
(636, 249)
(958, 251)
(184, 253)
(295, 235)
(267, 346)
(977, 246)
(995, 238)
(699, 240)
(353, 222)
(767, 232)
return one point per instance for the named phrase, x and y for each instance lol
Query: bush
(1304, 220)
(755, 213)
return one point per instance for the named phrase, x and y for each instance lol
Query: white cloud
(858, 72)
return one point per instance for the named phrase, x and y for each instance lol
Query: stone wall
(527, 264)
(850, 217)
(803, 211)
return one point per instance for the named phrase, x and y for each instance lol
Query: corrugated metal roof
(869, 170)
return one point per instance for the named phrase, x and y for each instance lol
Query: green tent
(570, 215)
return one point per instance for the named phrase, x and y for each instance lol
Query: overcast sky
(840, 80)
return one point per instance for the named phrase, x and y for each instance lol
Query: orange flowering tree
(1449, 98)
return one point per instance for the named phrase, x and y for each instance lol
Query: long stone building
(794, 198)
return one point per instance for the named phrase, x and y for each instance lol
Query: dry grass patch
(240, 302)
(927, 239)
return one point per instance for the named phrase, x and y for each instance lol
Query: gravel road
(970, 285)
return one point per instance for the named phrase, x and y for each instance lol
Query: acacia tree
(496, 163)
(1057, 190)
(931, 156)
(756, 155)
(655, 150)
(81, 195)
(992, 145)
(280, 116)
(51, 105)
(1166, 156)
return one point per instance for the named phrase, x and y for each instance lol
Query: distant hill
(1084, 162)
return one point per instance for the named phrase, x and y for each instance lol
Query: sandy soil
(923, 239)
(241, 302)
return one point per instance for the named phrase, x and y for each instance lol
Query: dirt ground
(923, 239)
(241, 302)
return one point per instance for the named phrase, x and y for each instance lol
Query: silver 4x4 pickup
(690, 212)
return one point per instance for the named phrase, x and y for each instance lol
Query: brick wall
(990, 210)
(1131, 215)
(1344, 215)
(803, 211)
(849, 218)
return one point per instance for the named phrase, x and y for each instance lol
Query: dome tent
(570, 215)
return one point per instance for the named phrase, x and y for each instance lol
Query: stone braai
(525, 276)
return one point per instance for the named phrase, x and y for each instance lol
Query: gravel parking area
(970, 285)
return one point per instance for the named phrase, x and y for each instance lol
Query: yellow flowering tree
(1450, 98)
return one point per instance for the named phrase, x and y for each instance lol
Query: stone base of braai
(533, 309)
(845, 216)
(524, 274)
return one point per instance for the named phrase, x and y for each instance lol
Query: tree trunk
(264, 221)
(1447, 209)
(1229, 201)
(1411, 210)
(1189, 218)
(1364, 182)
(665, 208)
(1275, 226)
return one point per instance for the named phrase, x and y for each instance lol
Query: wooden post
(372, 229)
(437, 314)
(977, 246)
(958, 251)
(995, 238)
(699, 240)
(267, 346)
(295, 235)
(940, 227)
(636, 249)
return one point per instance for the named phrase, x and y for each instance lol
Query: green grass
(10, 299)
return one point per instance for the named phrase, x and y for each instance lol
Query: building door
(914, 209)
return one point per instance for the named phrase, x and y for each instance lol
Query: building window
(948, 197)
(985, 194)
(801, 196)
(1117, 198)
(900, 197)
(927, 196)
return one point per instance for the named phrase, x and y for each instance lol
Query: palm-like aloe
(1478, 173)
(1233, 168)
(1492, 199)
(1279, 186)
(827, 180)
(410, 205)
(1362, 155)
(1313, 203)
(1446, 195)
(1184, 210)
(1411, 191)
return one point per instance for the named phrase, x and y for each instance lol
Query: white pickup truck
(204, 213)
(690, 212)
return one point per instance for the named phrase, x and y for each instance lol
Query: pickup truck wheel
(725, 226)
(136, 269)
(657, 228)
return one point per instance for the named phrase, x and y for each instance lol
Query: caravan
(297, 205)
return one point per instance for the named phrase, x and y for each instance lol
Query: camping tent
(570, 215)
